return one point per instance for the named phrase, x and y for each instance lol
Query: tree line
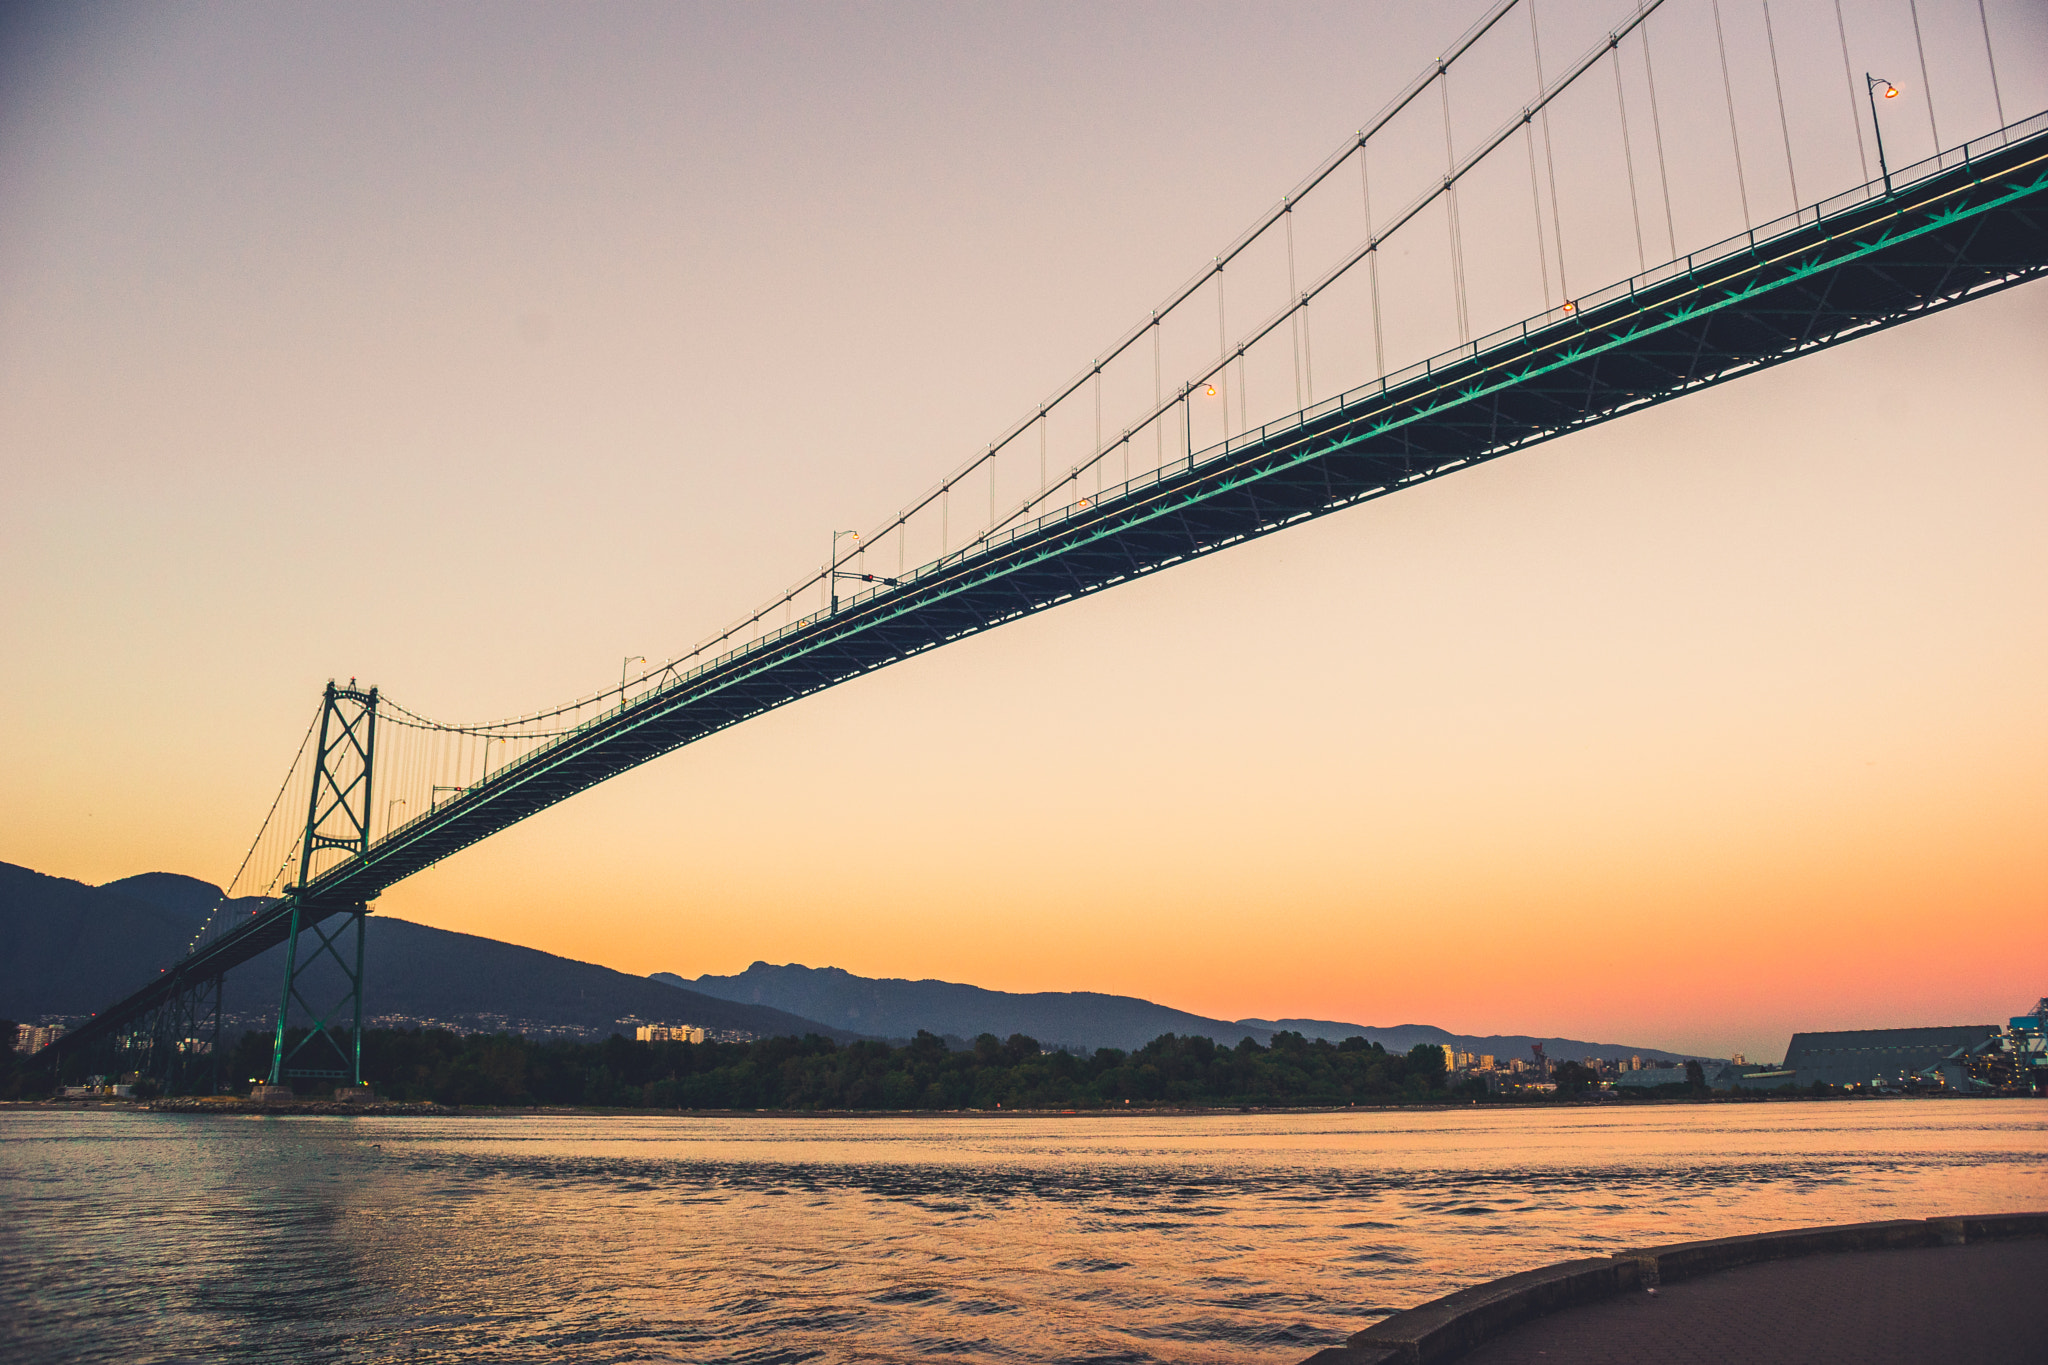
(815, 1073)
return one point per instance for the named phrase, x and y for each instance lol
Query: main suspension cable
(227, 892)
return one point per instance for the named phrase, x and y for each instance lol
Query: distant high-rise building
(1486, 1061)
(668, 1033)
(36, 1037)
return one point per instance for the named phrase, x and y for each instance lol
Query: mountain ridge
(68, 949)
(1075, 1020)
(1503, 1047)
(898, 1007)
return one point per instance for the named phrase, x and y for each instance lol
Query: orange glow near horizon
(381, 350)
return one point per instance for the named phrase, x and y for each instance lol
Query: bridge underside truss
(1953, 236)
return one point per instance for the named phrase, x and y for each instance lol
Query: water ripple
(138, 1238)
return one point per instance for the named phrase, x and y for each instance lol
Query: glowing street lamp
(1891, 92)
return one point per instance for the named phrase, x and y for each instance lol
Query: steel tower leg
(213, 1088)
(337, 818)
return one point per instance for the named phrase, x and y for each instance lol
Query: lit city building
(36, 1037)
(668, 1033)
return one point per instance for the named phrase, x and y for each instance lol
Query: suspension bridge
(378, 792)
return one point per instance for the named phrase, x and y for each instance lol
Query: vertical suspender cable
(1536, 200)
(1308, 353)
(1657, 134)
(1041, 451)
(991, 494)
(1997, 100)
(1158, 400)
(1628, 158)
(1849, 82)
(1549, 158)
(945, 519)
(1293, 307)
(1443, 81)
(1913, 8)
(1098, 414)
(1734, 135)
(1372, 270)
(1784, 125)
(1222, 352)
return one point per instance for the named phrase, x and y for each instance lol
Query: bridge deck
(1968, 223)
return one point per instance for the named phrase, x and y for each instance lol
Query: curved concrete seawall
(1452, 1327)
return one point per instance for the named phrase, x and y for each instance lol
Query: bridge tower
(337, 818)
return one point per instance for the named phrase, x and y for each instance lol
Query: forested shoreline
(814, 1073)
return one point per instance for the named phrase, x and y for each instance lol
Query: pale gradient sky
(467, 349)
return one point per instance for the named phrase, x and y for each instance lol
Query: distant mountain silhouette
(67, 949)
(1504, 1047)
(894, 1008)
(1078, 1020)
(70, 949)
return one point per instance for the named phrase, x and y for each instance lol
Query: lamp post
(1891, 92)
(832, 574)
(625, 664)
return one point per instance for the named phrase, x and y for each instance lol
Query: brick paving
(1982, 1304)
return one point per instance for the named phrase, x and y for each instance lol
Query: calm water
(137, 1237)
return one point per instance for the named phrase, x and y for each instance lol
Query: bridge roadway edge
(1655, 344)
(1451, 1327)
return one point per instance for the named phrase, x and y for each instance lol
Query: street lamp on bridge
(1891, 92)
(625, 664)
(832, 573)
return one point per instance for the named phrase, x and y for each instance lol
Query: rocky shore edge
(1446, 1328)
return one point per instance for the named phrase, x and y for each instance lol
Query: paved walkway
(1982, 1304)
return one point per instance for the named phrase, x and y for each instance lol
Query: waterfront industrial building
(1880, 1056)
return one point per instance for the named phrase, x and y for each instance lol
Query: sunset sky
(470, 350)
